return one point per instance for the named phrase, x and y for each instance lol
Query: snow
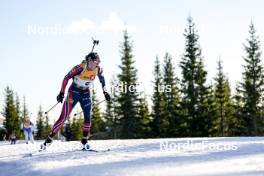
(142, 157)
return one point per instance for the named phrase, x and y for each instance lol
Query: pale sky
(42, 40)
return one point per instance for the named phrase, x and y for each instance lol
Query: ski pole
(51, 108)
(88, 105)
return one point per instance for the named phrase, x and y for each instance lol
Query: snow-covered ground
(149, 157)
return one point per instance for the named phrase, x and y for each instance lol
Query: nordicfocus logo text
(196, 145)
(123, 87)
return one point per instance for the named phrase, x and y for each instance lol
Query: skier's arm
(31, 125)
(75, 71)
(102, 81)
(101, 78)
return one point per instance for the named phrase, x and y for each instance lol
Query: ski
(93, 150)
(43, 152)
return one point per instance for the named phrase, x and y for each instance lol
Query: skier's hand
(60, 97)
(107, 96)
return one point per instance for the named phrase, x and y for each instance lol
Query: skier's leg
(31, 137)
(68, 105)
(26, 136)
(86, 105)
(71, 100)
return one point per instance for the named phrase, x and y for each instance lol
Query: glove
(107, 96)
(60, 97)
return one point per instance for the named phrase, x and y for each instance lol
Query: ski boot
(85, 144)
(47, 142)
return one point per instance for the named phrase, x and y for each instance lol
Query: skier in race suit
(83, 76)
(28, 127)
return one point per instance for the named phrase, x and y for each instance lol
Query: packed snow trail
(142, 157)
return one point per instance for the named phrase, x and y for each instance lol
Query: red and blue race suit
(79, 91)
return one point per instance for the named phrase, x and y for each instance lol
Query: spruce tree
(76, 129)
(196, 95)
(9, 111)
(157, 123)
(211, 111)
(24, 108)
(251, 88)
(40, 125)
(171, 99)
(236, 124)
(97, 121)
(144, 119)
(205, 102)
(112, 124)
(223, 101)
(128, 96)
(47, 126)
(18, 118)
(109, 116)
